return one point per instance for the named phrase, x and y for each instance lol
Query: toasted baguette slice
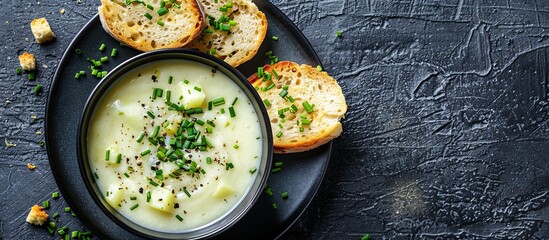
(305, 84)
(128, 23)
(242, 41)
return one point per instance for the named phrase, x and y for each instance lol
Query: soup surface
(174, 145)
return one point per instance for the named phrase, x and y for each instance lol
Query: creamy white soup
(174, 145)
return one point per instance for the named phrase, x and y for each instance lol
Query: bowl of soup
(174, 144)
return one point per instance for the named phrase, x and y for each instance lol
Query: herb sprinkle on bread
(305, 105)
(154, 24)
(235, 30)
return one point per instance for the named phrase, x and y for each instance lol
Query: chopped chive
(365, 237)
(222, 110)
(197, 88)
(186, 81)
(55, 195)
(260, 72)
(102, 47)
(77, 75)
(339, 34)
(134, 206)
(186, 192)
(234, 101)
(253, 170)
(218, 101)
(141, 136)
(46, 204)
(232, 22)
(146, 152)
(229, 166)
(319, 68)
(159, 22)
(278, 134)
(94, 72)
(305, 121)
(283, 93)
(179, 217)
(161, 11)
(307, 107)
(150, 114)
(104, 59)
(236, 146)
(127, 175)
(18, 71)
(275, 38)
(277, 169)
(74, 234)
(67, 209)
(208, 30)
(222, 9)
(153, 183)
(31, 76)
(231, 112)
(119, 158)
(133, 198)
(107, 155)
(55, 215)
(78, 51)
(267, 103)
(284, 195)
(150, 7)
(148, 196)
(278, 164)
(271, 86)
(274, 206)
(149, 16)
(96, 176)
(114, 52)
(82, 72)
(170, 79)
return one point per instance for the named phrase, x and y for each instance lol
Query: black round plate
(301, 173)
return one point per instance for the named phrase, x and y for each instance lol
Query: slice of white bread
(129, 25)
(242, 41)
(41, 30)
(304, 84)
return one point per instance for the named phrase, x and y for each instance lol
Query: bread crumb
(37, 215)
(41, 30)
(31, 166)
(62, 11)
(27, 61)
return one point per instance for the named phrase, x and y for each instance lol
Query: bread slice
(130, 25)
(304, 84)
(241, 42)
(41, 30)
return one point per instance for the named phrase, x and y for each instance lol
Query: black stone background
(446, 137)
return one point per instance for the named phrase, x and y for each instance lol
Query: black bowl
(250, 197)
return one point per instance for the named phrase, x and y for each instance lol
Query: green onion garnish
(179, 217)
(18, 71)
(107, 155)
(277, 169)
(231, 112)
(234, 101)
(278, 164)
(260, 72)
(67, 209)
(278, 134)
(170, 79)
(55, 195)
(104, 59)
(119, 158)
(146, 152)
(102, 47)
(186, 192)
(149, 16)
(229, 166)
(218, 101)
(150, 7)
(159, 22)
(161, 11)
(133, 198)
(140, 138)
(274, 38)
(253, 170)
(148, 196)
(78, 51)
(307, 107)
(338, 33)
(284, 195)
(31, 76)
(134, 206)
(153, 183)
(197, 88)
(283, 93)
(267, 103)
(319, 68)
(46, 204)
(150, 114)
(127, 175)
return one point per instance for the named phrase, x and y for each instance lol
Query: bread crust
(27, 61)
(41, 30)
(142, 33)
(305, 83)
(248, 33)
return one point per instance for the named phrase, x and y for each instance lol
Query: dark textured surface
(447, 134)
